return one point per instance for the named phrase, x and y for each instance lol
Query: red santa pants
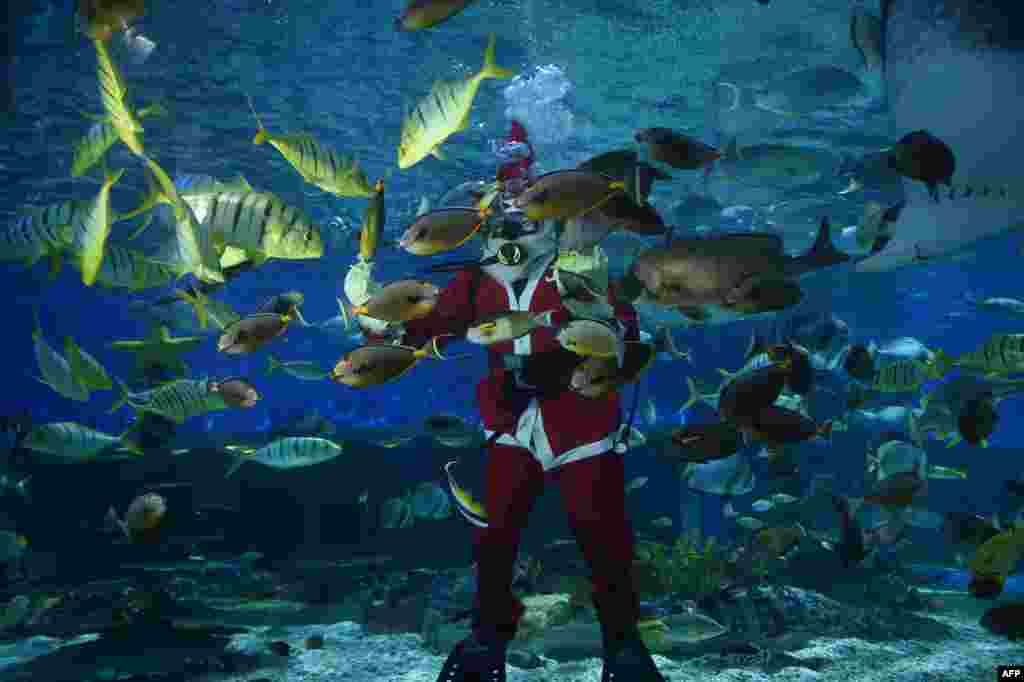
(593, 495)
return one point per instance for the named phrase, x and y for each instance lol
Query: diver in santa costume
(538, 429)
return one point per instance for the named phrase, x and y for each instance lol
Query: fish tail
(491, 68)
(198, 303)
(273, 364)
(239, 461)
(940, 364)
(130, 445)
(695, 395)
(344, 314)
(261, 133)
(123, 399)
(154, 109)
(154, 195)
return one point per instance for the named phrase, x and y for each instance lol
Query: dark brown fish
(376, 364)
(676, 149)
(967, 528)
(249, 333)
(143, 519)
(1006, 620)
(922, 156)
(622, 212)
(596, 377)
(400, 301)
(779, 540)
(236, 391)
(744, 397)
(442, 230)
(420, 14)
(725, 269)
(706, 442)
(781, 426)
(625, 165)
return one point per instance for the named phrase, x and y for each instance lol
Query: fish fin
(823, 252)
(123, 399)
(954, 440)
(154, 195)
(727, 374)
(261, 133)
(756, 347)
(694, 396)
(197, 300)
(56, 260)
(437, 153)
(273, 364)
(491, 68)
(154, 109)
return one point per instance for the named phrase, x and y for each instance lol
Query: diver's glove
(359, 287)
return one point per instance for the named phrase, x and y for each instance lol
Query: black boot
(478, 658)
(626, 659)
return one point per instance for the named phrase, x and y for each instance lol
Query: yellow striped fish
(95, 229)
(373, 223)
(194, 250)
(124, 268)
(75, 442)
(1002, 354)
(114, 94)
(287, 453)
(38, 232)
(54, 369)
(443, 112)
(904, 376)
(99, 139)
(318, 165)
(86, 369)
(258, 223)
(471, 510)
(177, 400)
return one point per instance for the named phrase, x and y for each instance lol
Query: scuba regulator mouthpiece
(511, 253)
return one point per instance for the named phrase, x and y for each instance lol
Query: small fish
(300, 369)
(471, 510)
(373, 223)
(750, 523)
(401, 301)
(1001, 354)
(54, 368)
(318, 165)
(783, 498)
(177, 400)
(77, 443)
(730, 476)
(249, 333)
(142, 520)
(421, 14)
(95, 228)
(762, 506)
(729, 512)
(993, 562)
(998, 304)
(114, 95)
(85, 368)
(662, 522)
(636, 484)
(287, 303)
(442, 230)
(236, 392)
(676, 149)
(947, 473)
(43, 232)
(707, 442)
(567, 195)
(376, 364)
(286, 453)
(507, 326)
(443, 112)
(593, 338)
(922, 156)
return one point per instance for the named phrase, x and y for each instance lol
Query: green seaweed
(687, 567)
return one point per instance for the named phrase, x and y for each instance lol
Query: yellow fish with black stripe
(318, 165)
(1002, 354)
(443, 112)
(471, 510)
(114, 95)
(39, 232)
(100, 137)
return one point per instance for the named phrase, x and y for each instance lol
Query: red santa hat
(518, 168)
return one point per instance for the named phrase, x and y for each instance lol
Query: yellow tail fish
(443, 112)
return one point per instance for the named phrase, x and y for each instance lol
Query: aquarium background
(591, 73)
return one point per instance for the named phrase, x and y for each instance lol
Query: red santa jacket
(573, 426)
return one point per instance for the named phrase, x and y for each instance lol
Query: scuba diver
(537, 428)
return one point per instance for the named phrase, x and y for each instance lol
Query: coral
(686, 567)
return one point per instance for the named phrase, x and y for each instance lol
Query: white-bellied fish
(1001, 354)
(114, 95)
(100, 137)
(421, 14)
(318, 165)
(442, 230)
(376, 364)
(85, 368)
(95, 228)
(443, 112)
(54, 368)
(286, 453)
(300, 369)
(507, 326)
(40, 232)
(73, 442)
(593, 338)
